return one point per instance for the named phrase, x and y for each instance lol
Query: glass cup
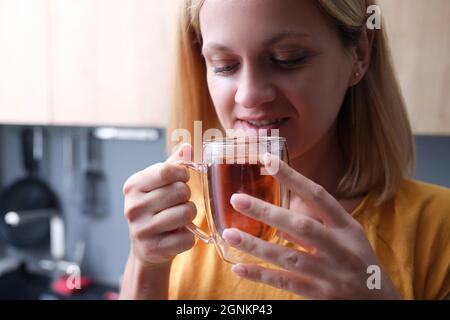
(235, 165)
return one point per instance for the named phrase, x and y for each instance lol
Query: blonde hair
(373, 127)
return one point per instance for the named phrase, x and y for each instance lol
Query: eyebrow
(269, 42)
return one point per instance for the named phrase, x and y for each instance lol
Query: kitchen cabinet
(419, 36)
(25, 95)
(85, 62)
(106, 62)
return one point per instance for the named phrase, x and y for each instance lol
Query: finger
(158, 175)
(142, 205)
(301, 245)
(297, 204)
(183, 152)
(307, 231)
(176, 242)
(287, 258)
(155, 176)
(279, 279)
(323, 204)
(166, 197)
(167, 220)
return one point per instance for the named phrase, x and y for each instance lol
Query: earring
(357, 74)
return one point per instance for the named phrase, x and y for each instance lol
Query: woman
(325, 80)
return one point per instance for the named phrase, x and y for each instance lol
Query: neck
(324, 163)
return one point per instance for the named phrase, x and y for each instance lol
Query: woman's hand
(157, 208)
(334, 264)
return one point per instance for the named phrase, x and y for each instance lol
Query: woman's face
(275, 64)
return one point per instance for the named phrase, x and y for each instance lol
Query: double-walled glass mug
(235, 165)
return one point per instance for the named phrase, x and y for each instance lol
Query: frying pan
(29, 196)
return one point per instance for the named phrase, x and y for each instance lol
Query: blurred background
(83, 105)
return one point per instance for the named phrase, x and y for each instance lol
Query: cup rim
(243, 140)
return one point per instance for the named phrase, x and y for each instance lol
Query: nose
(254, 89)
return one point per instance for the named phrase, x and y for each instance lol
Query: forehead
(256, 22)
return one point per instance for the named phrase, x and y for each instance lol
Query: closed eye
(285, 63)
(289, 63)
(225, 69)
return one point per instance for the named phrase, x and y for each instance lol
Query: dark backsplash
(106, 238)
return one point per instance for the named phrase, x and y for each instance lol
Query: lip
(243, 123)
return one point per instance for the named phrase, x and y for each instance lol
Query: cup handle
(199, 233)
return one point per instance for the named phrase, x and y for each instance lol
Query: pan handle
(15, 219)
(57, 232)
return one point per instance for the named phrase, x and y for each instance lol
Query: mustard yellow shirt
(409, 234)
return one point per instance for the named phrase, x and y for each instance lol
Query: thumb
(182, 153)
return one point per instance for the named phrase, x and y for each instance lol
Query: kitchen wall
(433, 159)
(106, 238)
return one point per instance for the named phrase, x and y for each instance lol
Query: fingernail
(267, 159)
(232, 237)
(240, 201)
(185, 152)
(239, 270)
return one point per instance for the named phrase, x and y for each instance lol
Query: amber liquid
(226, 179)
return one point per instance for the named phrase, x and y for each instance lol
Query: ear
(362, 56)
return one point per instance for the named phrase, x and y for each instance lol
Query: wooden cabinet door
(110, 61)
(25, 94)
(85, 62)
(419, 36)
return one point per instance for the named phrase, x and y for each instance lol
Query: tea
(226, 179)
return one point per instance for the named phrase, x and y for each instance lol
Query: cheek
(322, 91)
(315, 101)
(317, 95)
(222, 92)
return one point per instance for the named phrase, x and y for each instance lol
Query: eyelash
(225, 70)
(290, 62)
(287, 64)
